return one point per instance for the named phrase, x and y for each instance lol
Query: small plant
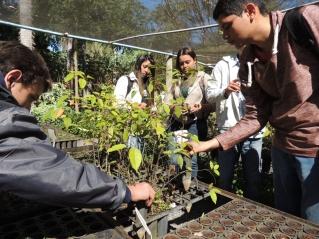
(101, 117)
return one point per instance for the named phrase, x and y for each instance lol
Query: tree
(25, 16)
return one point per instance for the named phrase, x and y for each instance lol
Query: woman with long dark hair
(190, 85)
(132, 88)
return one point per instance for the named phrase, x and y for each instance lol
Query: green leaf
(150, 87)
(110, 132)
(67, 122)
(180, 161)
(100, 103)
(69, 77)
(125, 135)
(211, 165)
(113, 112)
(61, 100)
(216, 172)
(82, 83)
(213, 194)
(194, 138)
(160, 130)
(116, 148)
(178, 111)
(166, 109)
(135, 158)
(267, 132)
(89, 77)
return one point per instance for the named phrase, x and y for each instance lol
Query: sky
(151, 4)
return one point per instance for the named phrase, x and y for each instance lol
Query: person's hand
(202, 146)
(142, 192)
(195, 108)
(195, 147)
(234, 86)
(142, 105)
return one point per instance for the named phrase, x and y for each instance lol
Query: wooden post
(169, 72)
(76, 78)
(25, 15)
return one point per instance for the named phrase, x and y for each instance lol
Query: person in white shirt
(132, 88)
(224, 90)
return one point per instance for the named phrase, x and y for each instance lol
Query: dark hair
(236, 7)
(14, 55)
(143, 58)
(184, 51)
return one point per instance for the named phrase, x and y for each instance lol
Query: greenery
(101, 117)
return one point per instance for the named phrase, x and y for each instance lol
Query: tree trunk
(26, 36)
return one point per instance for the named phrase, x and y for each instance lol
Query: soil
(256, 218)
(205, 221)
(271, 224)
(218, 229)
(208, 234)
(183, 232)
(278, 218)
(311, 231)
(264, 230)
(214, 215)
(235, 217)
(249, 223)
(295, 225)
(256, 236)
(280, 236)
(241, 229)
(227, 222)
(287, 230)
(194, 226)
(171, 236)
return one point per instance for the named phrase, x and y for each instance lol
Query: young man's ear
(12, 77)
(251, 11)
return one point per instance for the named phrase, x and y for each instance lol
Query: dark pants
(250, 152)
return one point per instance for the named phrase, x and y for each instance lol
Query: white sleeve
(214, 90)
(121, 89)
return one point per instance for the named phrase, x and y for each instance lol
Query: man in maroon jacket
(280, 80)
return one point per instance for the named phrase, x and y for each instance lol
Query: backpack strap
(129, 85)
(299, 30)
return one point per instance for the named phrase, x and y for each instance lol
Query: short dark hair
(184, 51)
(14, 55)
(236, 7)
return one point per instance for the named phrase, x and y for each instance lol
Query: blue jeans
(250, 152)
(296, 181)
(199, 128)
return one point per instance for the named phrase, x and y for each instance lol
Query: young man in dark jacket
(29, 166)
(280, 79)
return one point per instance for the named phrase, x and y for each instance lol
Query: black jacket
(31, 168)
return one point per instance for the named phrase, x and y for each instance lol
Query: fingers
(190, 147)
(142, 192)
(195, 108)
(233, 88)
(151, 197)
(142, 105)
